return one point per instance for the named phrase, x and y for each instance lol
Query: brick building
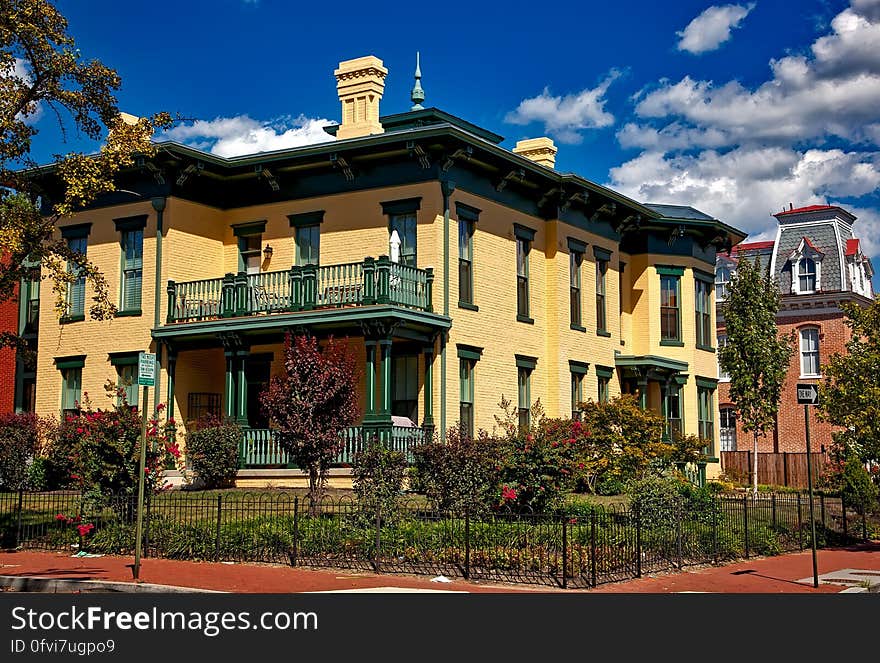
(8, 323)
(818, 264)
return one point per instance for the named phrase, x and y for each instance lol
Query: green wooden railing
(260, 449)
(301, 289)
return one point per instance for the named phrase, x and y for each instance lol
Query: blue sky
(737, 109)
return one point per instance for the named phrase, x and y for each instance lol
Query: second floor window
(575, 260)
(522, 277)
(703, 309)
(250, 253)
(806, 275)
(809, 342)
(601, 274)
(76, 290)
(670, 327)
(465, 261)
(405, 225)
(29, 316)
(722, 280)
(308, 245)
(132, 269)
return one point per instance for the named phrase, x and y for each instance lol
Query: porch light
(267, 252)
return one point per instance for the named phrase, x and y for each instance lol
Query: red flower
(554, 444)
(74, 477)
(572, 521)
(85, 529)
(576, 425)
(508, 493)
(60, 516)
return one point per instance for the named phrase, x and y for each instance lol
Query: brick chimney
(540, 150)
(360, 84)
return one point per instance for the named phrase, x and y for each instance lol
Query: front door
(257, 375)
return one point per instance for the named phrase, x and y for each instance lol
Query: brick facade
(8, 323)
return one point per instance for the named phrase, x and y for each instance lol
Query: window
(30, 303)
(705, 416)
(405, 225)
(577, 394)
(202, 408)
(71, 386)
(603, 389)
(29, 394)
(76, 290)
(466, 395)
(670, 328)
(722, 341)
(127, 382)
(806, 275)
(250, 253)
(524, 378)
(465, 261)
(601, 271)
(132, 269)
(809, 352)
(722, 280)
(405, 386)
(574, 262)
(673, 410)
(702, 290)
(727, 424)
(522, 277)
(308, 245)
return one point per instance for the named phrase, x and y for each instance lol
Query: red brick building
(8, 323)
(818, 264)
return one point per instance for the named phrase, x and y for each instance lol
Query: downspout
(159, 206)
(446, 188)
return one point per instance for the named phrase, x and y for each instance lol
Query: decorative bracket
(265, 172)
(515, 174)
(576, 197)
(343, 165)
(151, 168)
(677, 233)
(196, 168)
(418, 152)
(463, 153)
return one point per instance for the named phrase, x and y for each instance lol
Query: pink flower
(508, 493)
(60, 516)
(576, 426)
(85, 529)
(160, 407)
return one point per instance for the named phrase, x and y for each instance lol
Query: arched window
(722, 279)
(728, 428)
(809, 346)
(806, 275)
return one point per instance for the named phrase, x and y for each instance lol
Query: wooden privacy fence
(775, 469)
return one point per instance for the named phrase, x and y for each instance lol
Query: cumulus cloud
(16, 74)
(565, 117)
(712, 28)
(235, 136)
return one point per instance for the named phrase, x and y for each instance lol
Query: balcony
(308, 288)
(259, 449)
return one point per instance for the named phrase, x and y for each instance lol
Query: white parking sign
(146, 369)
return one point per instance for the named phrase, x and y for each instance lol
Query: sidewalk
(768, 575)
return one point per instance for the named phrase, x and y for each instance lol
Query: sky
(736, 109)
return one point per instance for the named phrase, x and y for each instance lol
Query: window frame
(466, 394)
(524, 368)
(578, 372)
(706, 413)
(75, 297)
(131, 269)
(465, 261)
(802, 353)
(703, 311)
(721, 284)
(674, 424)
(806, 275)
(670, 312)
(727, 434)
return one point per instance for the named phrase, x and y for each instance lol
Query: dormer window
(806, 275)
(806, 268)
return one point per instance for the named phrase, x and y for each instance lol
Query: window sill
(603, 332)
(706, 348)
(129, 314)
(72, 318)
(579, 328)
(467, 306)
(524, 318)
(674, 344)
(809, 377)
(723, 380)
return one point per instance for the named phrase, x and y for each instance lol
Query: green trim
(603, 332)
(700, 275)
(578, 367)
(525, 318)
(604, 371)
(576, 245)
(467, 306)
(651, 360)
(669, 270)
(77, 231)
(522, 232)
(469, 352)
(707, 383)
(129, 314)
(706, 348)
(466, 212)
(124, 358)
(74, 361)
(601, 254)
(404, 206)
(579, 328)
(250, 228)
(67, 319)
(523, 361)
(672, 344)
(680, 379)
(306, 219)
(138, 222)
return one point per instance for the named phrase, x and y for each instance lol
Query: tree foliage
(311, 402)
(42, 72)
(850, 394)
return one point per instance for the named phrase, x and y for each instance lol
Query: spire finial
(418, 94)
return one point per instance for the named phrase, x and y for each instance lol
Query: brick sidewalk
(761, 575)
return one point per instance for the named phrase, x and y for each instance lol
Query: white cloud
(712, 28)
(565, 117)
(235, 136)
(16, 74)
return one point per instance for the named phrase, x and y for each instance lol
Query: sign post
(808, 394)
(146, 379)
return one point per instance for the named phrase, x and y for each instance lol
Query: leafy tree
(41, 70)
(756, 357)
(850, 394)
(311, 403)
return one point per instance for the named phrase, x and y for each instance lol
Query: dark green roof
(427, 117)
(679, 212)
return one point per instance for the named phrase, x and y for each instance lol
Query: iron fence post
(773, 510)
(593, 577)
(564, 551)
(800, 523)
(746, 523)
(467, 542)
(293, 551)
(146, 545)
(18, 519)
(376, 562)
(715, 530)
(678, 539)
(638, 543)
(843, 510)
(217, 537)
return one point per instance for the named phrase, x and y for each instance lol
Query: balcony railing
(301, 289)
(260, 449)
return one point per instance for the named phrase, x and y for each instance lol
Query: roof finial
(418, 94)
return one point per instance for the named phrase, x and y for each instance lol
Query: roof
(424, 117)
(679, 212)
(811, 208)
(852, 247)
(753, 246)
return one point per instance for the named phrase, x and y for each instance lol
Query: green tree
(42, 71)
(849, 397)
(756, 357)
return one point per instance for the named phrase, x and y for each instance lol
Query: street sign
(807, 394)
(147, 369)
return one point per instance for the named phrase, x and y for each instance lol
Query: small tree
(311, 403)
(212, 450)
(756, 357)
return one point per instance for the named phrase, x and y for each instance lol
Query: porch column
(385, 385)
(370, 379)
(643, 392)
(428, 391)
(241, 413)
(664, 407)
(229, 392)
(172, 369)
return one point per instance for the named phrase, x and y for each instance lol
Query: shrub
(378, 475)
(19, 446)
(856, 487)
(658, 500)
(462, 471)
(213, 453)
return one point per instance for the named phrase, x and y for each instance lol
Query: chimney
(540, 150)
(360, 84)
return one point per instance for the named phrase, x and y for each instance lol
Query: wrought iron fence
(581, 547)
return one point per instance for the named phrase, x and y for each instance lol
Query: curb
(36, 584)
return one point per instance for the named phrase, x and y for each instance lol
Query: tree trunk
(755, 468)
(314, 491)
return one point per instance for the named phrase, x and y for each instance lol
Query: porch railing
(260, 449)
(301, 289)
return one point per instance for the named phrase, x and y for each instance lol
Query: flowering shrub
(847, 474)
(213, 453)
(19, 446)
